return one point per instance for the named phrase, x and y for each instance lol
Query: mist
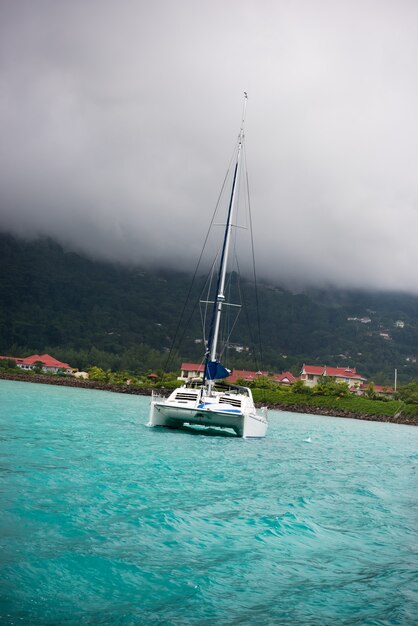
(118, 120)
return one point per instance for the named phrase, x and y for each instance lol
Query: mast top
(244, 110)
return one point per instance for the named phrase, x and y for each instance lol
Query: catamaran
(209, 402)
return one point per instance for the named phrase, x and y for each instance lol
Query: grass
(350, 404)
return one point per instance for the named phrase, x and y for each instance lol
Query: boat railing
(218, 386)
(156, 396)
(262, 412)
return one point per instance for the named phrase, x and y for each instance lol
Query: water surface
(105, 521)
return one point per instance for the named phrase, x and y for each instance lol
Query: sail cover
(215, 370)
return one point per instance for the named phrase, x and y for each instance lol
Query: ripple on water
(107, 521)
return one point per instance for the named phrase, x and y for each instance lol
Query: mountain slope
(89, 312)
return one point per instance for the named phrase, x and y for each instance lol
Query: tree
(261, 382)
(370, 391)
(329, 387)
(96, 373)
(299, 387)
(409, 393)
(8, 364)
(119, 378)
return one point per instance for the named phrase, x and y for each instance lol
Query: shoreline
(147, 391)
(63, 381)
(368, 417)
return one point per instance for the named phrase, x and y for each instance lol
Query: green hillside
(88, 312)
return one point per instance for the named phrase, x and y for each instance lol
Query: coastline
(64, 381)
(146, 391)
(406, 420)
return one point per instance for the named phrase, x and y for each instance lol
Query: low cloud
(118, 121)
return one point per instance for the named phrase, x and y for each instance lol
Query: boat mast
(220, 297)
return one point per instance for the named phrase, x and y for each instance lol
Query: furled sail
(215, 370)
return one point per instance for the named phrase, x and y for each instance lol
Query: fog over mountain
(118, 120)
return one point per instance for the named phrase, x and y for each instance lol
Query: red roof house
(191, 370)
(311, 374)
(195, 370)
(245, 375)
(380, 390)
(285, 378)
(47, 362)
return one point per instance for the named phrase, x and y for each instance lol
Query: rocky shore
(69, 381)
(65, 381)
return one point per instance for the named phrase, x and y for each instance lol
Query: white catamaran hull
(245, 422)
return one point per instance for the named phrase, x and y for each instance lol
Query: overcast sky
(118, 119)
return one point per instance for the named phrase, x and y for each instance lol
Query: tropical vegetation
(123, 319)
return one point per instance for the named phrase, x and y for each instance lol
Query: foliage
(118, 378)
(260, 382)
(354, 404)
(370, 391)
(299, 387)
(97, 374)
(329, 387)
(409, 393)
(90, 313)
(8, 364)
(168, 383)
(38, 367)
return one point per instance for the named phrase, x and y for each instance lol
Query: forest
(87, 312)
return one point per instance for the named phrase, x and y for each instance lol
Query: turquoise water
(105, 521)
